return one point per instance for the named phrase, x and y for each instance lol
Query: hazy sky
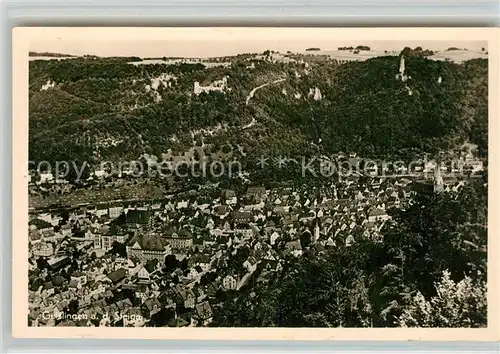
(212, 48)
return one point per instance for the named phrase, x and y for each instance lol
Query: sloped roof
(151, 266)
(221, 209)
(178, 322)
(229, 193)
(117, 275)
(184, 233)
(242, 226)
(293, 245)
(58, 280)
(376, 212)
(186, 294)
(150, 303)
(66, 323)
(123, 304)
(370, 225)
(150, 241)
(242, 215)
(256, 190)
(204, 310)
(48, 285)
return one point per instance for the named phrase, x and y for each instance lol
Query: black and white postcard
(255, 183)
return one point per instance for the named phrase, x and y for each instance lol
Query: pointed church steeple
(438, 179)
(316, 231)
(402, 65)
(402, 70)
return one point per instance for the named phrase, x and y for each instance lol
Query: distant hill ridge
(49, 54)
(363, 108)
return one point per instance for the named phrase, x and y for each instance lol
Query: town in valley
(120, 247)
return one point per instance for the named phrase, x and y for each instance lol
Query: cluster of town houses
(466, 159)
(108, 264)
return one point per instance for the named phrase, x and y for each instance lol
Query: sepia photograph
(250, 179)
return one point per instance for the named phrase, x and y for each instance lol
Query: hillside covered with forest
(96, 109)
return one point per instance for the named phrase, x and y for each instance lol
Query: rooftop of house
(256, 190)
(178, 322)
(293, 245)
(112, 230)
(151, 303)
(186, 293)
(242, 215)
(117, 275)
(151, 266)
(204, 309)
(242, 226)
(174, 232)
(48, 285)
(123, 304)
(58, 280)
(228, 193)
(221, 209)
(199, 258)
(150, 241)
(54, 262)
(376, 212)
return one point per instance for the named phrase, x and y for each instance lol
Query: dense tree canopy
(101, 108)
